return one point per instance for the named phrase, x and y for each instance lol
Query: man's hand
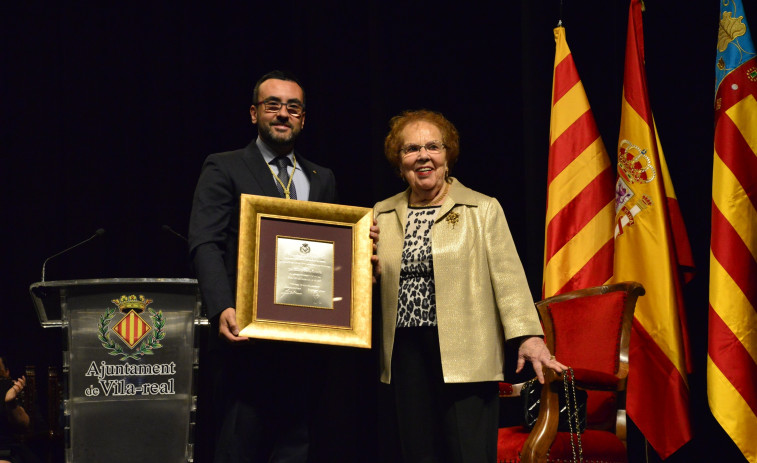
(227, 327)
(374, 258)
(535, 351)
(15, 390)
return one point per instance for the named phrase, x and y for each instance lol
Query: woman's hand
(374, 258)
(535, 351)
(18, 417)
(15, 390)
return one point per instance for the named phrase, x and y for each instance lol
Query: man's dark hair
(279, 75)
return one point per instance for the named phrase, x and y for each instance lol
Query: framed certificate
(304, 272)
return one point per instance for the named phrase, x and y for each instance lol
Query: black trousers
(440, 422)
(262, 394)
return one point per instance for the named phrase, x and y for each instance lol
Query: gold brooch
(453, 218)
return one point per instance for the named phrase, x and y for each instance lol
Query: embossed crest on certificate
(304, 272)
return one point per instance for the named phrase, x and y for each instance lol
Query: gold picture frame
(265, 221)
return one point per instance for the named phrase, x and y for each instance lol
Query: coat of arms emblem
(134, 336)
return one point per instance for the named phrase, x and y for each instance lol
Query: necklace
(289, 183)
(433, 201)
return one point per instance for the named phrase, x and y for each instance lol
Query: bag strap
(569, 388)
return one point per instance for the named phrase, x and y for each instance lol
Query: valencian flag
(578, 247)
(651, 247)
(732, 350)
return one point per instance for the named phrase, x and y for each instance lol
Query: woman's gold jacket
(482, 296)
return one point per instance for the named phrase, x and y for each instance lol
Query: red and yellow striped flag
(732, 349)
(578, 243)
(651, 247)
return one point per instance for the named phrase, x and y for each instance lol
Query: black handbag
(572, 403)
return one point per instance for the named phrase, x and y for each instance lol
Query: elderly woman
(452, 291)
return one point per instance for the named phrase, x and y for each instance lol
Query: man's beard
(269, 135)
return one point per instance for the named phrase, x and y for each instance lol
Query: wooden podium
(129, 366)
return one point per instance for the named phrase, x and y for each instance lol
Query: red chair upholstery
(589, 330)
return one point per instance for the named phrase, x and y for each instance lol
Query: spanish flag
(732, 349)
(651, 247)
(578, 245)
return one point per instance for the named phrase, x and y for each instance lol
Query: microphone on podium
(174, 232)
(98, 232)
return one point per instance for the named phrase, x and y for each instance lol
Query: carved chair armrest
(540, 439)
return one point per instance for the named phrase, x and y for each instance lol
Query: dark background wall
(108, 110)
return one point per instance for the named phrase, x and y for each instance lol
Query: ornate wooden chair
(589, 330)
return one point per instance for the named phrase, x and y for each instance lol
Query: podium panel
(129, 365)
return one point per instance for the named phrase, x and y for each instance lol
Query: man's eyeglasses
(273, 106)
(432, 147)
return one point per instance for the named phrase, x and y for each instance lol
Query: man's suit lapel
(253, 158)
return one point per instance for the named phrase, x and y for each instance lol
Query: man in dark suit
(259, 386)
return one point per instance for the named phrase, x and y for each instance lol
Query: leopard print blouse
(417, 294)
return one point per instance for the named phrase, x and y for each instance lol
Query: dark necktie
(282, 162)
